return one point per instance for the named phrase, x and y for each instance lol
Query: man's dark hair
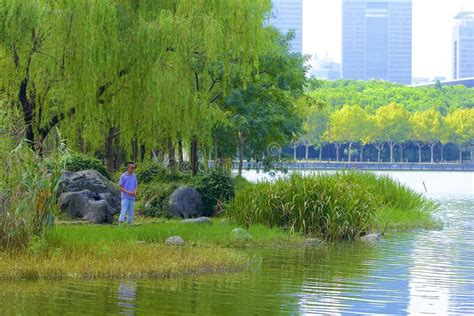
(130, 163)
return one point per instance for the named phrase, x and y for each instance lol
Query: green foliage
(27, 198)
(155, 198)
(151, 171)
(339, 206)
(148, 70)
(77, 162)
(216, 188)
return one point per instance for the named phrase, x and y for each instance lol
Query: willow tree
(148, 71)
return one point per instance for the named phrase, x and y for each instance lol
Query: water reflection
(127, 296)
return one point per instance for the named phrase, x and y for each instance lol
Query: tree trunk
(460, 154)
(472, 154)
(241, 154)
(401, 152)
(142, 152)
(337, 151)
(419, 153)
(442, 152)
(134, 150)
(109, 149)
(361, 153)
(294, 151)
(320, 152)
(432, 152)
(306, 152)
(194, 156)
(379, 148)
(180, 151)
(392, 145)
(171, 155)
(349, 152)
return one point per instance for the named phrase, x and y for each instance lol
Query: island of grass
(286, 212)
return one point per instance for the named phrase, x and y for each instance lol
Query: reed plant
(330, 206)
(27, 191)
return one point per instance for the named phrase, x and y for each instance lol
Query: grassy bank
(139, 251)
(332, 206)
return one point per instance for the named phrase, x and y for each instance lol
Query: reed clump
(331, 206)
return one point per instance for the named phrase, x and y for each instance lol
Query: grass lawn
(139, 251)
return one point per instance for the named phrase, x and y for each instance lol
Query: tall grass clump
(330, 206)
(27, 191)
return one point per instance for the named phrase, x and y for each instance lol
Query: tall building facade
(377, 40)
(287, 15)
(463, 46)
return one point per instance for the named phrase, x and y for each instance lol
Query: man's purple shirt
(128, 182)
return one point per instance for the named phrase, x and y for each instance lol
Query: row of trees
(391, 125)
(131, 76)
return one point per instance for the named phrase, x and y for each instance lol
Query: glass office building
(288, 15)
(377, 40)
(463, 46)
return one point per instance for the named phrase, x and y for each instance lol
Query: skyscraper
(288, 15)
(463, 45)
(377, 40)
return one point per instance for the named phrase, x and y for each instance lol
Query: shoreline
(375, 166)
(109, 252)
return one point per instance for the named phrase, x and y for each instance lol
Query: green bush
(157, 172)
(216, 187)
(77, 162)
(337, 206)
(155, 198)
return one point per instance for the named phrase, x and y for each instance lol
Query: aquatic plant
(330, 206)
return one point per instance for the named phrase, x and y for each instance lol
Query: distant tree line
(380, 121)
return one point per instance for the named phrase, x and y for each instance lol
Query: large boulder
(185, 202)
(88, 195)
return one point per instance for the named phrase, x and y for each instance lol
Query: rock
(88, 195)
(240, 234)
(309, 242)
(87, 205)
(185, 202)
(175, 240)
(199, 220)
(371, 237)
(3, 202)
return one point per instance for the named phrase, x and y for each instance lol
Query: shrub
(28, 198)
(157, 172)
(77, 162)
(216, 187)
(337, 206)
(155, 198)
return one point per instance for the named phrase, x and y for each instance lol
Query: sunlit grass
(139, 251)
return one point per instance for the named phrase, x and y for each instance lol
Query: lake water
(422, 272)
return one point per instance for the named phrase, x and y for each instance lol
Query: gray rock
(3, 202)
(86, 205)
(371, 237)
(88, 195)
(240, 234)
(89, 180)
(175, 240)
(199, 220)
(185, 202)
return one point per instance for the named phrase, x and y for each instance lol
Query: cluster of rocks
(88, 195)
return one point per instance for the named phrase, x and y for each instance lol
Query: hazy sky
(432, 32)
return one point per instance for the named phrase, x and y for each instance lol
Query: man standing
(128, 186)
